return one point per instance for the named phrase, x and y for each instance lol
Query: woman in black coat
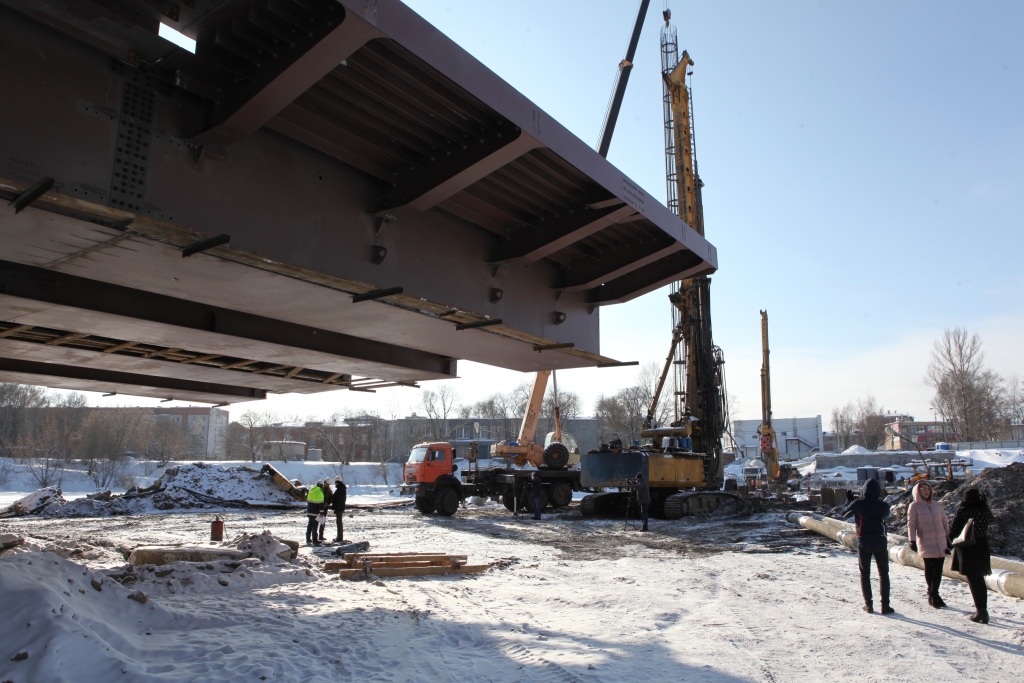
(974, 562)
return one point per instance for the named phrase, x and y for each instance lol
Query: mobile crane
(431, 475)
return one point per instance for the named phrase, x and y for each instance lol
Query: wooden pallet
(403, 564)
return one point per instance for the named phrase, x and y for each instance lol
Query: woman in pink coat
(929, 537)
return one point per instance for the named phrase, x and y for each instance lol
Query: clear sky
(864, 171)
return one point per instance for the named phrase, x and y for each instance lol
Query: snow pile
(34, 501)
(268, 564)
(984, 459)
(62, 620)
(857, 450)
(183, 487)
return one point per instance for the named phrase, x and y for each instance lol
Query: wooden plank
(417, 571)
(374, 557)
(392, 564)
(119, 347)
(14, 330)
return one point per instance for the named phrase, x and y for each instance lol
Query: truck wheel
(509, 501)
(446, 501)
(560, 494)
(556, 456)
(424, 504)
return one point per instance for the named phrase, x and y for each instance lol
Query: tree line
(51, 431)
(975, 401)
(619, 415)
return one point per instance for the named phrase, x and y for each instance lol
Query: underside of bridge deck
(326, 194)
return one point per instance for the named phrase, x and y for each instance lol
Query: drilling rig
(683, 462)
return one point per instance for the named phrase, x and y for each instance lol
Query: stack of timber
(357, 565)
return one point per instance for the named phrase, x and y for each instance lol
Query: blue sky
(864, 170)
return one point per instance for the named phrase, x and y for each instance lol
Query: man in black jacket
(643, 496)
(338, 503)
(537, 489)
(870, 512)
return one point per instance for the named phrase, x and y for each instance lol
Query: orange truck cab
(429, 475)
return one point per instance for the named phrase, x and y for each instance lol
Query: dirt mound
(1004, 489)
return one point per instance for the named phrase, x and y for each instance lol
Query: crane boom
(621, 80)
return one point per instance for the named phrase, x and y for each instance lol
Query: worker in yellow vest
(314, 506)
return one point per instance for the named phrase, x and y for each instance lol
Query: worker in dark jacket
(338, 504)
(870, 512)
(314, 506)
(328, 497)
(974, 562)
(643, 496)
(537, 490)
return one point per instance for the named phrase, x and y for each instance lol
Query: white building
(797, 436)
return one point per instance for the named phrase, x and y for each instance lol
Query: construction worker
(328, 496)
(643, 496)
(537, 489)
(314, 506)
(338, 503)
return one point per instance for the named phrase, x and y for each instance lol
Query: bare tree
(19, 404)
(870, 422)
(502, 409)
(254, 425)
(968, 396)
(1014, 403)
(54, 438)
(570, 405)
(168, 440)
(108, 435)
(439, 406)
(843, 421)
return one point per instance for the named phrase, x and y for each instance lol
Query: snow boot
(937, 602)
(868, 608)
(979, 617)
(888, 610)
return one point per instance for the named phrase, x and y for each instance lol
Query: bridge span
(325, 194)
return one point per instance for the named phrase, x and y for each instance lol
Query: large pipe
(1007, 576)
(1003, 563)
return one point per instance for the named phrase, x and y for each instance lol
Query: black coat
(339, 497)
(870, 512)
(643, 491)
(975, 560)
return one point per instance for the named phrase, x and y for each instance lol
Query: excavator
(683, 461)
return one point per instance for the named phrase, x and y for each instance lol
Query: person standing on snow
(314, 506)
(328, 494)
(974, 562)
(338, 503)
(870, 512)
(643, 496)
(928, 529)
(537, 489)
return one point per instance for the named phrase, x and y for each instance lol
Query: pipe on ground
(1007, 575)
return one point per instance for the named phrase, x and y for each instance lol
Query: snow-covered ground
(568, 599)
